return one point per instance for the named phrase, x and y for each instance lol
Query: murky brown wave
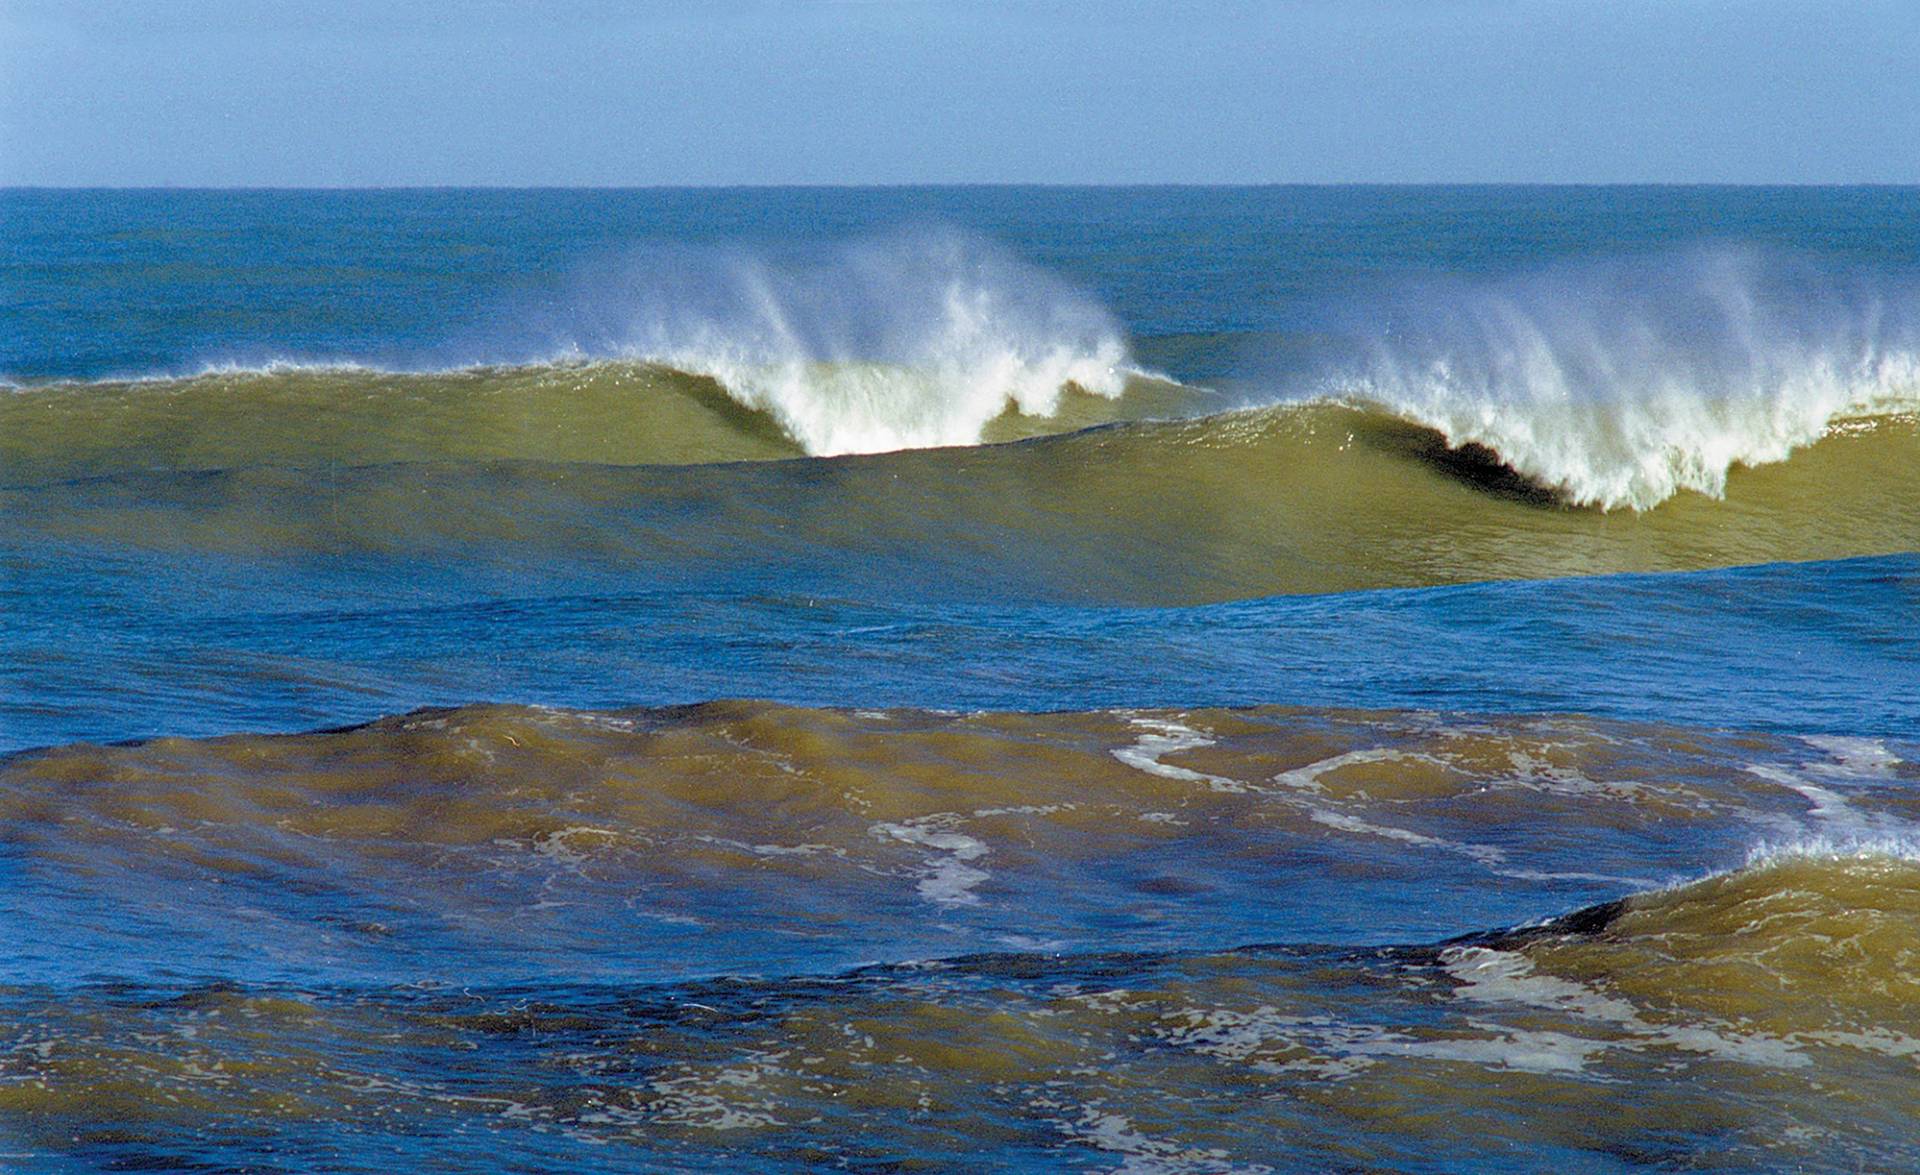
(689, 892)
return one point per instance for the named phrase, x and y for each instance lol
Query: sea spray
(1622, 382)
(912, 340)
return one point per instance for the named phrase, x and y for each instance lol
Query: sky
(593, 92)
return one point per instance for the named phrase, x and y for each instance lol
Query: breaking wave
(910, 341)
(1611, 385)
(1623, 383)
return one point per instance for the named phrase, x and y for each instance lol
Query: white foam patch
(1160, 737)
(727, 1099)
(772, 850)
(1336, 1050)
(1306, 783)
(1868, 848)
(1746, 1048)
(1023, 810)
(1855, 758)
(1506, 977)
(947, 880)
(1487, 855)
(574, 845)
(1883, 1041)
(1230, 1034)
(1854, 763)
(1850, 771)
(1525, 1050)
(1029, 944)
(1145, 1155)
(1308, 778)
(1535, 773)
(588, 719)
(278, 365)
(1493, 976)
(1828, 805)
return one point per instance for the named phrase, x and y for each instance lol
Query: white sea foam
(1853, 764)
(1859, 847)
(1857, 844)
(913, 340)
(1505, 977)
(1160, 737)
(1855, 758)
(1827, 804)
(947, 879)
(1144, 1154)
(1622, 384)
(1522, 1050)
(1493, 976)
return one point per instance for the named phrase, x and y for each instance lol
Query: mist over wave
(1624, 382)
(913, 340)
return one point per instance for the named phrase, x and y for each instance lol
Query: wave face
(1312, 498)
(1807, 945)
(603, 412)
(1624, 383)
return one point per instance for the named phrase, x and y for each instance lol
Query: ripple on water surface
(691, 935)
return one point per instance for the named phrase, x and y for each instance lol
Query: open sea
(1174, 680)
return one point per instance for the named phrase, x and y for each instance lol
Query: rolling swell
(1810, 943)
(1608, 383)
(872, 819)
(1291, 498)
(607, 412)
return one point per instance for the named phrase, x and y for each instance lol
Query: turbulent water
(1165, 679)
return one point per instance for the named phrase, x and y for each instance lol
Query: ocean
(984, 678)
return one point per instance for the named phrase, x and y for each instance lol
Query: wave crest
(911, 341)
(1624, 383)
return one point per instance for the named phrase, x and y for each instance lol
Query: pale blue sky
(377, 92)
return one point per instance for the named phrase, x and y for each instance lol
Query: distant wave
(1605, 384)
(1623, 383)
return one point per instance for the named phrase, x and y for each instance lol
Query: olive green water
(618, 863)
(618, 464)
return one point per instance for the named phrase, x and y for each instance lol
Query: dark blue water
(1811, 648)
(136, 282)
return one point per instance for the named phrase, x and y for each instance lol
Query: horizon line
(950, 184)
